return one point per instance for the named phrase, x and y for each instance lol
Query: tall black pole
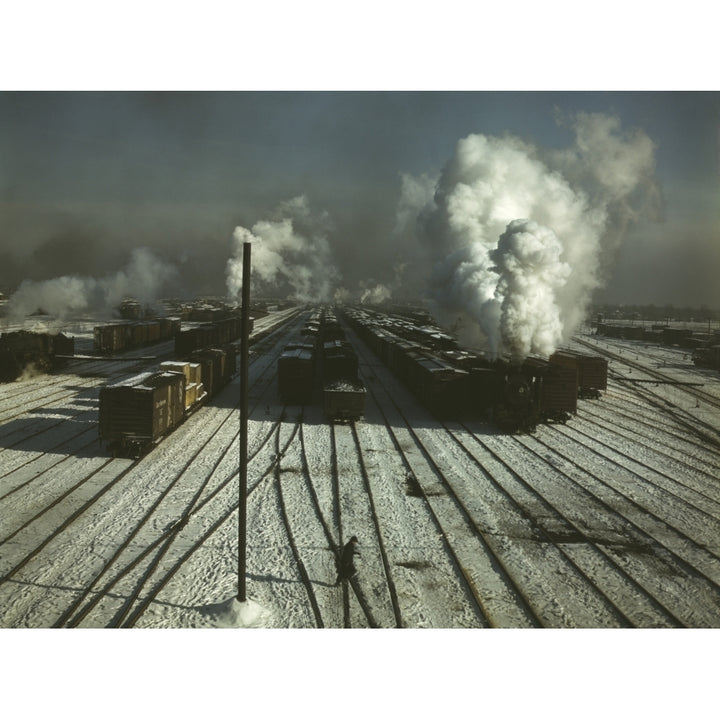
(244, 343)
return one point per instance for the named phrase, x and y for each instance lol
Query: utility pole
(244, 343)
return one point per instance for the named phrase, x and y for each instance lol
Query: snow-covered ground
(609, 521)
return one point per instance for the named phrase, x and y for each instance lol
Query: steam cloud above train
(507, 243)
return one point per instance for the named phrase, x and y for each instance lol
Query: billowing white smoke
(290, 250)
(143, 279)
(375, 295)
(516, 239)
(531, 272)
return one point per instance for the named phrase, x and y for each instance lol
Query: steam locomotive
(454, 383)
(43, 352)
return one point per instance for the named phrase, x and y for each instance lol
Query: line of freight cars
(660, 334)
(323, 343)
(207, 335)
(118, 337)
(705, 345)
(453, 382)
(136, 413)
(22, 349)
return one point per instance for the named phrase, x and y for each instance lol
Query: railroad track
(124, 617)
(673, 452)
(705, 431)
(630, 413)
(170, 533)
(676, 572)
(492, 589)
(560, 521)
(58, 534)
(569, 534)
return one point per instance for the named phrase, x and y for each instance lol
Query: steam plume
(376, 294)
(517, 237)
(291, 249)
(143, 278)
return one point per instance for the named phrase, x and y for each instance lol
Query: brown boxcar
(592, 371)
(217, 367)
(136, 413)
(556, 388)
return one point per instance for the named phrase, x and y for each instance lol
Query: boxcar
(592, 371)
(217, 367)
(339, 360)
(136, 413)
(557, 388)
(296, 374)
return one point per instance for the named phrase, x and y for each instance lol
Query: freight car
(137, 413)
(296, 372)
(452, 382)
(556, 389)
(707, 357)
(344, 399)
(339, 360)
(217, 367)
(660, 334)
(323, 352)
(592, 371)
(344, 392)
(441, 386)
(118, 337)
(207, 335)
(21, 350)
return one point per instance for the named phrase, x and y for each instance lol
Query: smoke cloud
(290, 250)
(375, 295)
(517, 237)
(143, 278)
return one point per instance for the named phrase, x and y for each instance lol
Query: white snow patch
(232, 613)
